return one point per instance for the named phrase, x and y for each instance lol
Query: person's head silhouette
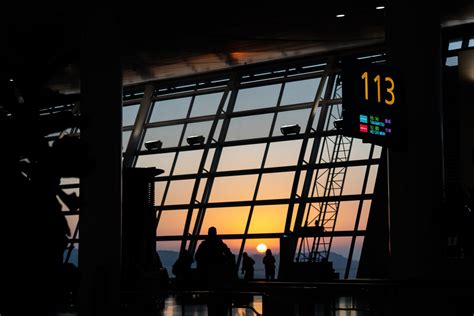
(268, 252)
(212, 232)
(245, 255)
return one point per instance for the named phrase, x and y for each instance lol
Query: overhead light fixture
(195, 140)
(340, 15)
(11, 80)
(381, 7)
(153, 144)
(290, 129)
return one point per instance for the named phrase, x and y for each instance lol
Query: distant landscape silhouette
(168, 257)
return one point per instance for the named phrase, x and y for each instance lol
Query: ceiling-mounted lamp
(290, 129)
(153, 144)
(195, 140)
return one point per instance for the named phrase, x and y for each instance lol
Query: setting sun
(261, 248)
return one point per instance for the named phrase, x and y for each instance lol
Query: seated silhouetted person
(247, 267)
(182, 268)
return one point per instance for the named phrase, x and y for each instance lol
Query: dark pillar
(466, 118)
(416, 172)
(100, 216)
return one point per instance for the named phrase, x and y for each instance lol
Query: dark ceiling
(42, 47)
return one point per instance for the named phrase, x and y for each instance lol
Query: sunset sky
(265, 219)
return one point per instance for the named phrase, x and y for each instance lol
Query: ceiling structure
(157, 44)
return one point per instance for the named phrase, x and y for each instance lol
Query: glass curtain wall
(254, 152)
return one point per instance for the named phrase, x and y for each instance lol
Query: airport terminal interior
(240, 161)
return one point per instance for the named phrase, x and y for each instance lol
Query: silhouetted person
(182, 267)
(216, 267)
(247, 267)
(213, 257)
(269, 263)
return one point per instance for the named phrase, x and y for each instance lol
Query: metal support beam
(138, 132)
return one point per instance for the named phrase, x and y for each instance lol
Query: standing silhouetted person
(269, 263)
(216, 267)
(213, 258)
(247, 267)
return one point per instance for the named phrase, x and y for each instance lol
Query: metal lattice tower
(328, 182)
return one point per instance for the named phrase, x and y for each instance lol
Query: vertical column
(415, 166)
(100, 216)
(466, 117)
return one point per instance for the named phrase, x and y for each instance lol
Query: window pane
(364, 215)
(356, 257)
(299, 117)
(268, 219)
(258, 97)
(237, 188)
(69, 181)
(160, 161)
(249, 127)
(206, 104)
(359, 150)
(180, 192)
(300, 91)
(159, 191)
(210, 157)
(170, 109)
(171, 223)
(471, 42)
(377, 152)
(129, 114)
(72, 221)
(241, 157)
(339, 253)
(276, 185)
(354, 179)
(188, 162)
(230, 220)
(372, 178)
(169, 135)
(168, 252)
(346, 215)
(283, 153)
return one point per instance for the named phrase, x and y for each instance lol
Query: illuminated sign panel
(371, 97)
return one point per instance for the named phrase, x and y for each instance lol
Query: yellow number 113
(391, 94)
